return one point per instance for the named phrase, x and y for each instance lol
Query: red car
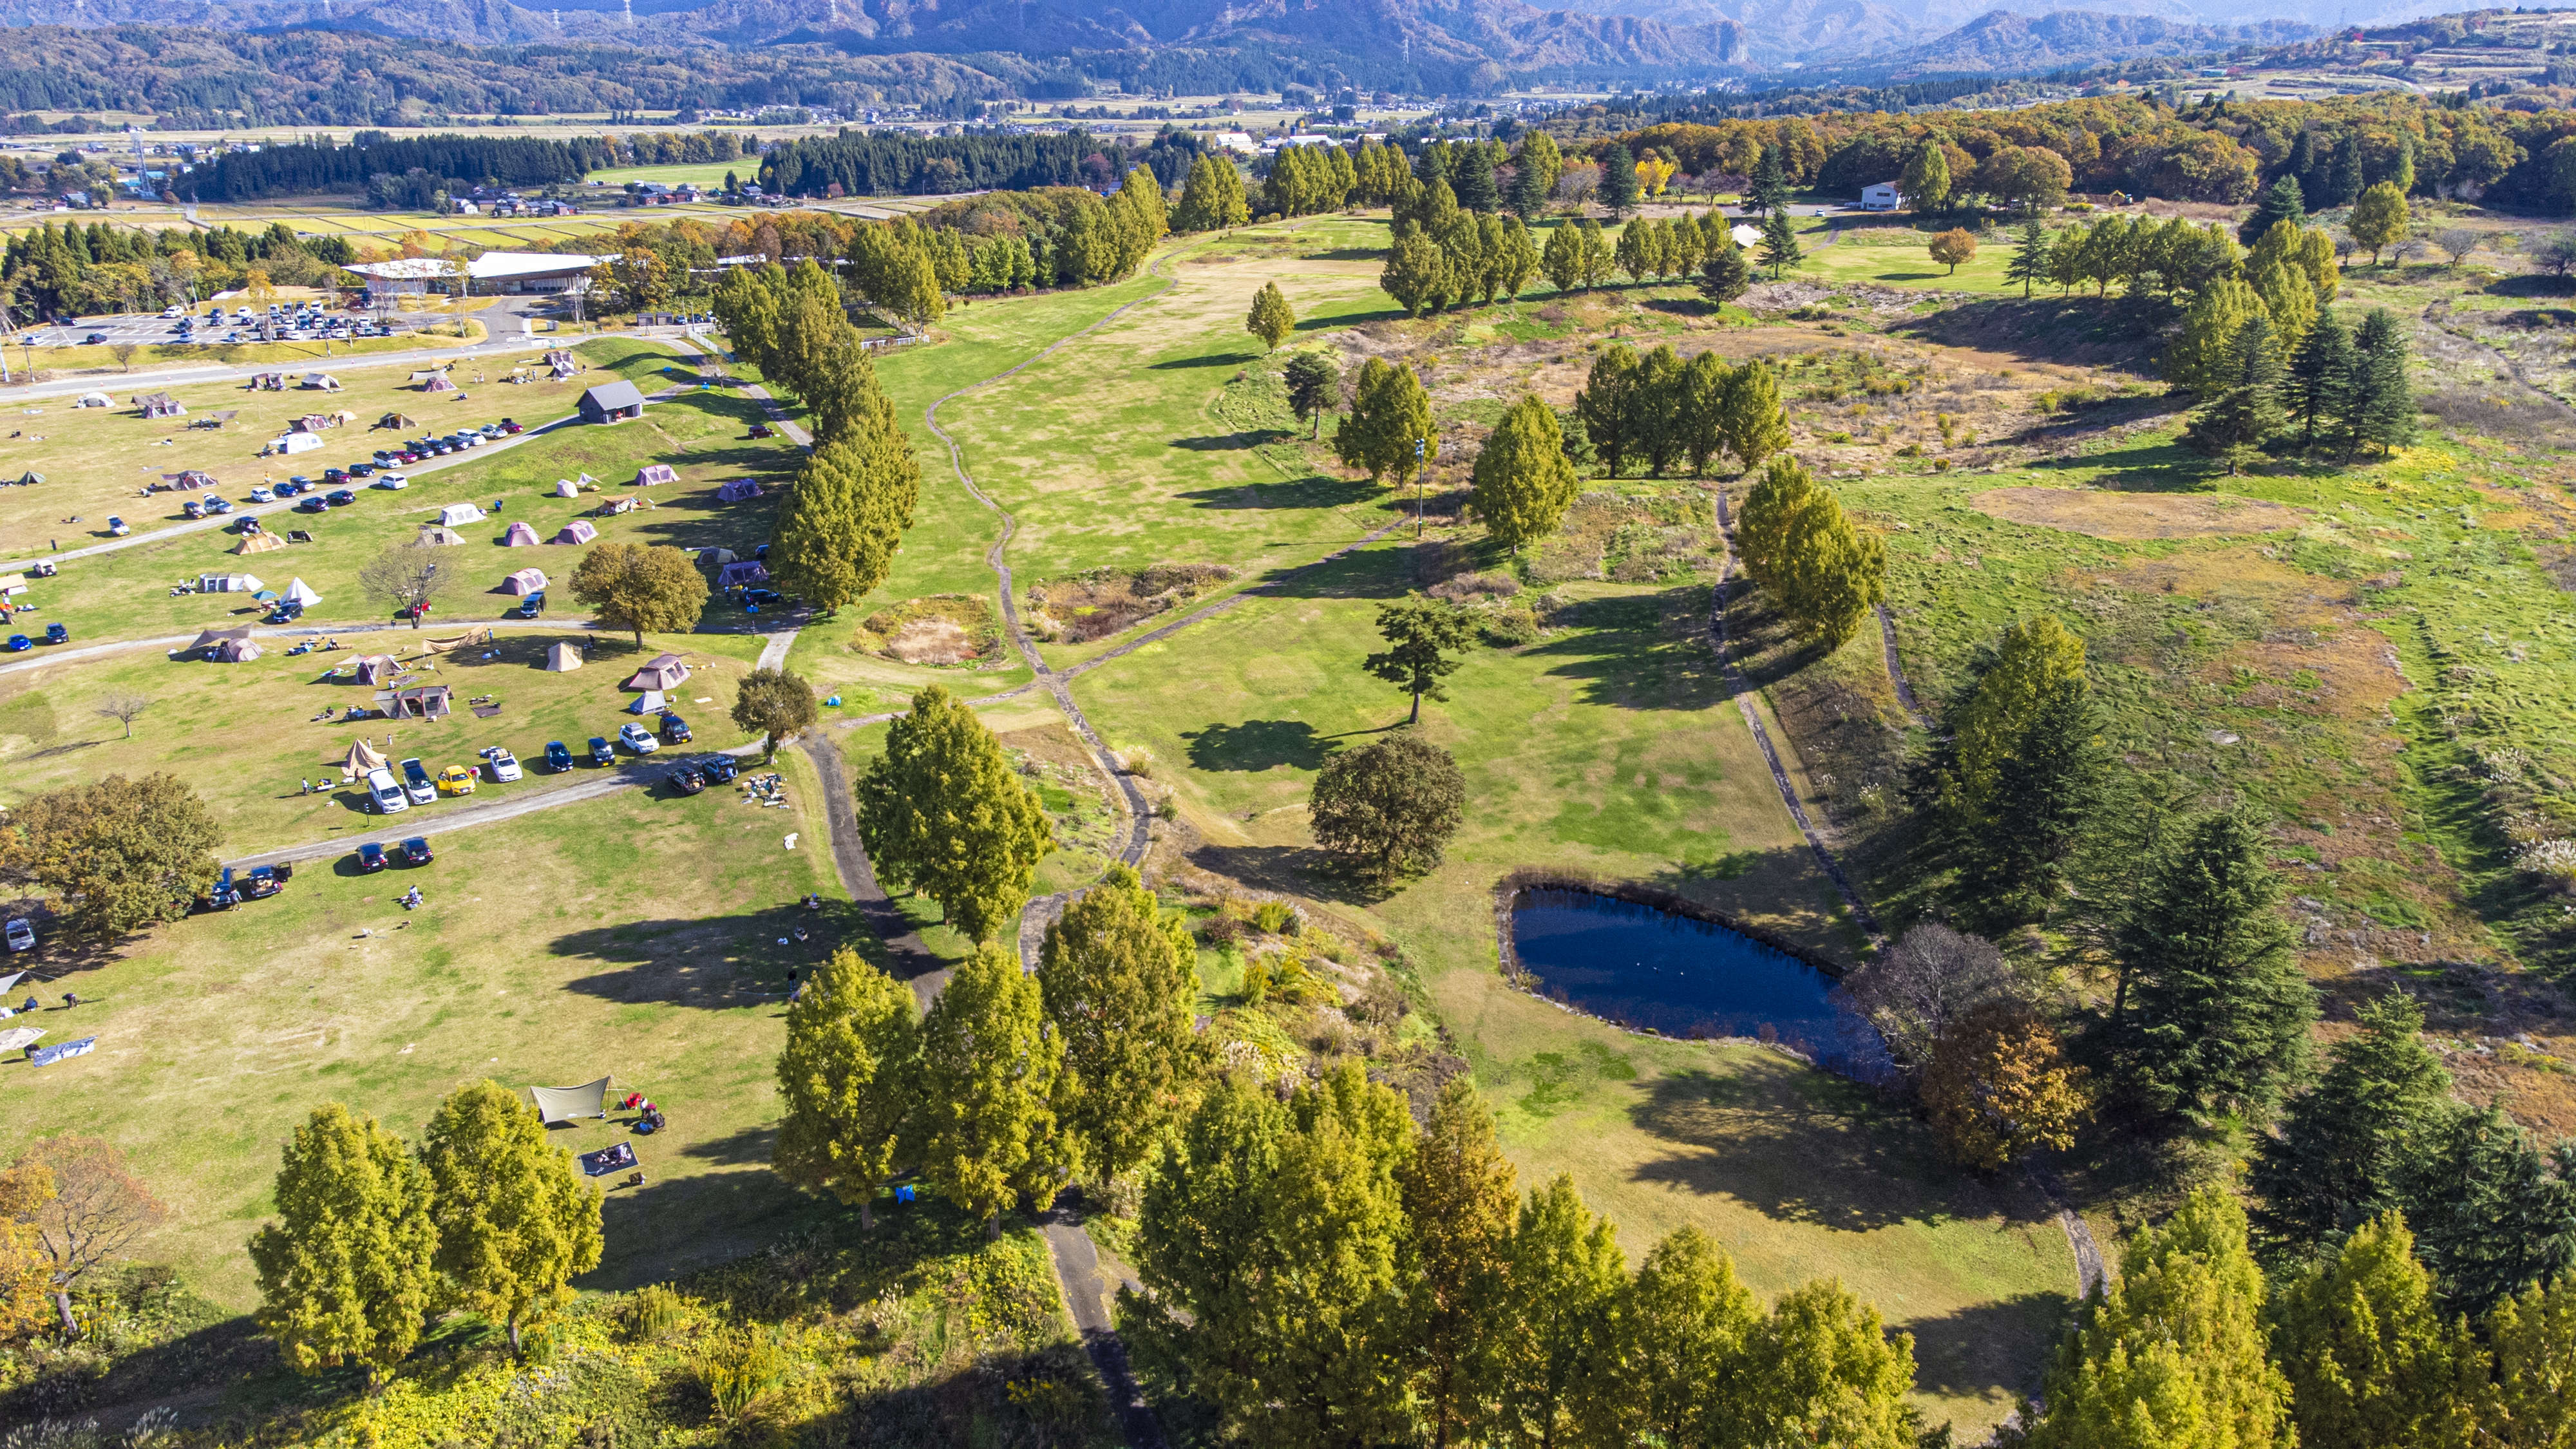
(761, 430)
(508, 426)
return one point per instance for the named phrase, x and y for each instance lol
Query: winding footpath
(1896, 669)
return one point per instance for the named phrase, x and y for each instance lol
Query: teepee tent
(361, 758)
(298, 591)
(563, 656)
(519, 536)
(525, 581)
(377, 668)
(440, 537)
(577, 531)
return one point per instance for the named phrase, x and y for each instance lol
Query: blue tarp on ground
(607, 1160)
(47, 1056)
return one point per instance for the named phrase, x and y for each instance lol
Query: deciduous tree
(26, 1277)
(942, 812)
(775, 704)
(1952, 247)
(1749, 414)
(2378, 218)
(1389, 430)
(1998, 1087)
(348, 1272)
(115, 855)
(1555, 1348)
(1391, 804)
(641, 588)
(983, 1122)
(1684, 1329)
(838, 530)
(1607, 404)
(1417, 271)
(846, 1080)
(1822, 573)
(96, 1210)
(1523, 483)
(1916, 990)
(516, 1220)
(410, 576)
(1926, 180)
(1271, 318)
(1120, 980)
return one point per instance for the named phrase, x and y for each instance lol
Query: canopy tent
(566, 488)
(611, 507)
(256, 541)
(321, 382)
(361, 758)
(432, 534)
(377, 668)
(525, 581)
(96, 400)
(563, 656)
(652, 473)
(742, 575)
(519, 536)
(219, 417)
(468, 639)
(213, 637)
(649, 702)
(577, 531)
(738, 490)
(717, 555)
(237, 651)
(562, 1104)
(460, 513)
(228, 584)
(300, 592)
(439, 382)
(665, 672)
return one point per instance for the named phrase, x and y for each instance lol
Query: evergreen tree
(1723, 272)
(1472, 178)
(1562, 259)
(1271, 318)
(1926, 180)
(2030, 259)
(2246, 409)
(1823, 1369)
(347, 1273)
(2210, 991)
(1212, 199)
(2317, 391)
(1535, 169)
(838, 531)
(2203, 359)
(1314, 385)
(845, 1081)
(516, 1222)
(1618, 180)
(983, 1126)
(1417, 271)
(2050, 781)
(1120, 980)
(2336, 1159)
(1593, 254)
(2378, 218)
(2521, 1396)
(1388, 430)
(2281, 202)
(1799, 547)
(1515, 259)
(2362, 1345)
(2344, 186)
(1607, 406)
(2380, 400)
(1523, 484)
(1659, 424)
(2492, 1215)
(1458, 1202)
(1684, 1329)
(1635, 252)
(941, 811)
(2173, 1355)
(1779, 243)
(1749, 414)
(1554, 1342)
(1701, 411)
(1420, 635)
(1769, 191)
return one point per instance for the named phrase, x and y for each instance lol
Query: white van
(386, 792)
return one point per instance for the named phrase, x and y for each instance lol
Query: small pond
(1643, 967)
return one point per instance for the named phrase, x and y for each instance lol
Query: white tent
(228, 584)
(96, 400)
(322, 381)
(237, 651)
(566, 488)
(525, 581)
(300, 592)
(519, 536)
(563, 656)
(438, 536)
(456, 513)
(295, 443)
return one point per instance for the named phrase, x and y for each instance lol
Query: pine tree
(2492, 1216)
(2210, 991)
(1750, 416)
(2174, 1354)
(1926, 180)
(1779, 243)
(1314, 385)
(845, 1082)
(2246, 408)
(1458, 1202)
(1420, 634)
(983, 1126)
(2362, 1345)
(2336, 1159)
(2380, 400)
(516, 1221)
(942, 811)
(2317, 392)
(1618, 180)
(1660, 426)
(2030, 259)
(2281, 202)
(2040, 808)
(1271, 318)
(1684, 1328)
(1535, 168)
(1769, 190)
(1607, 406)
(347, 1273)
(1523, 484)
(1120, 980)
(1417, 271)
(1723, 272)
(1554, 1345)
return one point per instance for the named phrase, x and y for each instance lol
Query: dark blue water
(1643, 967)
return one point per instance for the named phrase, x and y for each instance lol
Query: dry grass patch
(2135, 517)
(942, 629)
(1100, 602)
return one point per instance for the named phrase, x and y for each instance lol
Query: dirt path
(1896, 668)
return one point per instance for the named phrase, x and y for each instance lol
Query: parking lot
(150, 329)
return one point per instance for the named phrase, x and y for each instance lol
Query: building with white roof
(512, 272)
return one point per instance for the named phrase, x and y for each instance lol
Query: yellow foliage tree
(1998, 1088)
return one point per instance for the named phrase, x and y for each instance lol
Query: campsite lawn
(244, 735)
(633, 936)
(101, 365)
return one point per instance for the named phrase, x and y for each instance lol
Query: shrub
(1275, 917)
(1510, 628)
(653, 1312)
(740, 1369)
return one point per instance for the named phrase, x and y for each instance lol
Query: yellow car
(456, 780)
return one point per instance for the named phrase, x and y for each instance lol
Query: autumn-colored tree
(97, 1210)
(1998, 1088)
(1952, 247)
(348, 1272)
(25, 1271)
(1459, 1200)
(845, 1081)
(2360, 1338)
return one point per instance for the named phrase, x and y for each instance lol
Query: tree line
(892, 163)
(281, 169)
(70, 269)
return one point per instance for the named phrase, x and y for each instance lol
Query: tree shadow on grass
(1635, 651)
(1800, 1145)
(1214, 359)
(1991, 1351)
(1375, 573)
(1233, 442)
(672, 1225)
(1290, 869)
(724, 963)
(1255, 745)
(1317, 490)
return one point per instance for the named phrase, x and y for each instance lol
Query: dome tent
(524, 582)
(580, 530)
(520, 535)
(441, 537)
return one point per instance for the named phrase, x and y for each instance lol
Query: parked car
(215, 504)
(118, 527)
(299, 484)
(340, 498)
(600, 753)
(558, 758)
(168, 313)
(22, 935)
(262, 494)
(759, 598)
(314, 503)
(533, 605)
(194, 508)
(362, 470)
(95, 339)
(637, 738)
(225, 895)
(58, 633)
(687, 780)
(761, 430)
(415, 851)
(385, 793)
(456, 780)
(416, 782)
(675, 730)
(394, 481)
(509, 425)
(371, 858)
(720, 768)
(18, 642)
(262, 882)
(335, 475)
(505, 766)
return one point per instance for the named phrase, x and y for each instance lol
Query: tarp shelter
(519, 536)
(742, 574)
(566, 488)
(377, 668)
(361, 758)
(227, 584)
(12, 979)
(460, 513)
(665, 672)
(577, 531)
(439, 382)
(214, 638)
(652, 473)
(649, 702)
(343, 416)
(738, 490)
(160, 405)
(562, 1104)
(321, 382)
(237, 651)
(435, 536)
(611, 507)
(468, 639)
(563, 656)
(421, 701)
(300, 592)
(525, 581)
(258, 542)
(219, 418)
(612, 402)
(96, 400)
(395, 420)
(295, 443)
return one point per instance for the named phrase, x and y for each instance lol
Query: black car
(340, 498)
(262, 883)
(371, 858)
(600, 753)
(720, 768)
(362, 470)
(315, 504)
(95, 339)
(335, 475)
(687, 780)
(675, 730)
(759, 598)
(558, 759)
(415, 851)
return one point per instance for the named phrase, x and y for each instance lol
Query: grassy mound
(1097, 603)
(941, 629)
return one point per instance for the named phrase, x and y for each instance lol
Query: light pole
(1421, 449)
